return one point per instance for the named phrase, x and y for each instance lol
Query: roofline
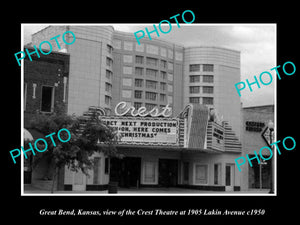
(212, 46)
(247, 107)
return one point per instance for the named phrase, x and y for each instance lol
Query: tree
(88, 135)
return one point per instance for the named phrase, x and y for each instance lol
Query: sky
(256, 43)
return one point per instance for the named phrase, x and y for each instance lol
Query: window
(201, 174)
(96, 170)
(137, 105)
(163, 86)
(25, 96)
(138, 82)
(194, 90)
(194, 99)
(149, 172)
(151, 84)
(208, 67)
(186, 171)
(151, 96)
(151, 61)
(109, 49)
(108, 74)
(194, 67)
(108, 87)
(151, 72)
(47, 103)
(163, 64)
(194, 78)
(217, 174)
(208, 90)
(208, 101)
(109, 62)
(139, 59)
(149, 106)
(162, 97)
(163, 75)
(106, 165)
(138, 94)
(208, 78)
(107, 100)
(139, 71)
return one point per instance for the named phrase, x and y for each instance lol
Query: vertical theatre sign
(137, 129)
(215, 136)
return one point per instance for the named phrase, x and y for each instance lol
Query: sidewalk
(29, 189)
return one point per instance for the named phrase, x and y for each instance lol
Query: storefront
(192, 150)
(255, 136)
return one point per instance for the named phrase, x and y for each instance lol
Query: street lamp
(271, 129)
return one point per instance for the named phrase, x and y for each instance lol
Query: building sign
(122, 109)
(268, 136)
(254, 126)
(215, 136)
(147, 131)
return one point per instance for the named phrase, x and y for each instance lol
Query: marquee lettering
(122, 109)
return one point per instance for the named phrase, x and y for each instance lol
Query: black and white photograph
(178, 121)
(173, 114)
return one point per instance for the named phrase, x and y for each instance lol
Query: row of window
(147, 95)
(205, 78)
(152, 49)
(148, 84)
(205, 89)
(201, 173)
(149, 61)
(205, 67)
(148, 106)
(205, 100)
(153, 96)
(152, 73)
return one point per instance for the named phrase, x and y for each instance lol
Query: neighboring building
(91, 64)
(45, 89)
(255, 123)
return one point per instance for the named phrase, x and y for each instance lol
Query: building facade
(45, 91)
(255, 127)
(193, 150)
(107, 67)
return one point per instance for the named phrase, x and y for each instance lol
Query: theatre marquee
(147, 130)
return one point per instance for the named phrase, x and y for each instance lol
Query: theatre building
(45, 91)
(193, 150)
(180, 146)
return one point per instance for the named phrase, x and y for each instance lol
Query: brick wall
(48, 70)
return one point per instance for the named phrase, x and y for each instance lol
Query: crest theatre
(192, 150)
